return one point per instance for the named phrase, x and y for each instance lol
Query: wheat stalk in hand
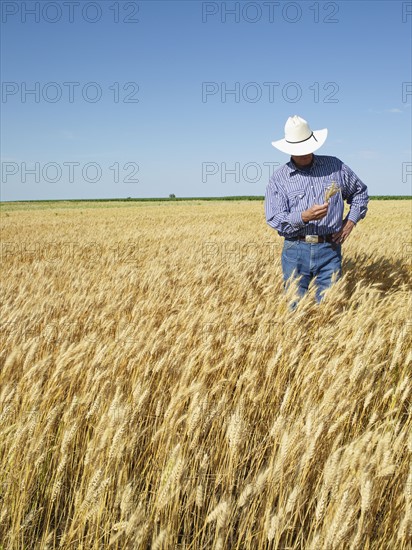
(332, 190)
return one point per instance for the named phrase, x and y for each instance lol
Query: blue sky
(151, 111)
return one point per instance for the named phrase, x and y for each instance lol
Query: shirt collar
(317, 161)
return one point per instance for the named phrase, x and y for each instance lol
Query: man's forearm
(354, 215)
(287, 222)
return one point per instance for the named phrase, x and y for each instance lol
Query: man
(299, 205)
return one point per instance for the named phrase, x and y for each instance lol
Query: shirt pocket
(295, 197)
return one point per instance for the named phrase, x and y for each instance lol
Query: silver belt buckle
(311, 238)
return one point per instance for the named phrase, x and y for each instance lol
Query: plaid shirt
(291, 190)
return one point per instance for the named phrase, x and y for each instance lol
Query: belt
(313, 238)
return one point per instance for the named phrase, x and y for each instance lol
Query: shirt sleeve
(356, 194)
(277, 211)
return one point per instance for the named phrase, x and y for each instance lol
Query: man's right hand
(316, 212)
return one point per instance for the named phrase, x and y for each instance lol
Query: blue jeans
(309, 260)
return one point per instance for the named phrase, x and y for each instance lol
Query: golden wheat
(156, 391)
(331, 191)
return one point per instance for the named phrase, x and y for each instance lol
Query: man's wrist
(352, 218)
(295, 220)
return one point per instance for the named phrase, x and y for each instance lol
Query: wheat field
(156, 392)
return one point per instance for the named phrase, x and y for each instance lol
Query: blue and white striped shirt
(290, 191)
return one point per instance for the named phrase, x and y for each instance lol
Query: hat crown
(297, 129)
(299, 138)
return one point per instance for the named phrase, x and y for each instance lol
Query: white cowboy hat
(299, 138)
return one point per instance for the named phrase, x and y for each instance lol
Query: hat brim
(305, 147)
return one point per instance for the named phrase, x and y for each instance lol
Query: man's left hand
(343, 234)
